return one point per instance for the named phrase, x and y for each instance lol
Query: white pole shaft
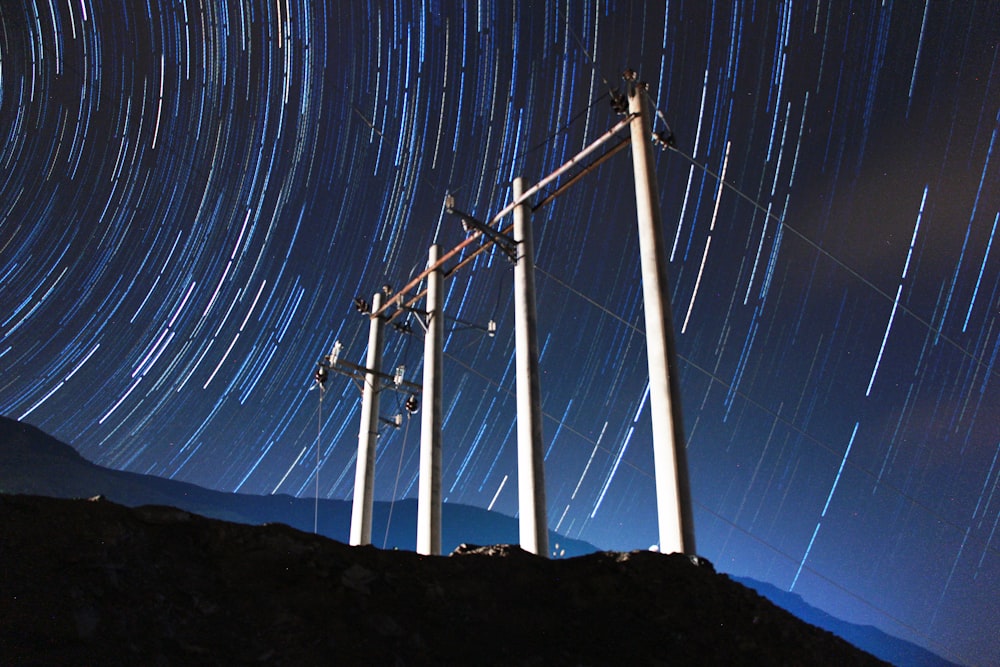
(429, 492)
(530, 464)
(364, 477)
(673, 494)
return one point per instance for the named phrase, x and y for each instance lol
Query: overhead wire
(672, 147)
(646, 473)
(979, 362)
(740, 393)
(395, 484)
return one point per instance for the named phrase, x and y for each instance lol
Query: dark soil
(90, 582)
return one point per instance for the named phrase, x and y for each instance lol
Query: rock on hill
(93, 582)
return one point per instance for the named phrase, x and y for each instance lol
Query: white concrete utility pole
(364, 477)
(530, 463)
(429, 493)
(673, 492)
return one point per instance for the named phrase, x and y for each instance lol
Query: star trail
(192, 194)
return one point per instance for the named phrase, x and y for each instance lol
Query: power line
(395, 484)
(670, 144)
(727, 385)
(979, 362)
(644, 472)
(589, 300)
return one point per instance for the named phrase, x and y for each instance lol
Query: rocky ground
(93, 582)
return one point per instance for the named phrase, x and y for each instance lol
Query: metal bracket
(357, 372)
(471, 224)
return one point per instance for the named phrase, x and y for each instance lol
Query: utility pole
(364, 478)
(429, 493)
(530, 463)
(673, 491)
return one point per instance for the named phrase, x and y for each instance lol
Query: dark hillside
(93, 582)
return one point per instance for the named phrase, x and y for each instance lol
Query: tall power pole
(673, 491)
(429, 493)
(530, 464)
(364, 478)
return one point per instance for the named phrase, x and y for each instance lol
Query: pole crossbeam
(358, 372)
(561, 189)
(396, 301)
(583, 172)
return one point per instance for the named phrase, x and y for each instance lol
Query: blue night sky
(192, 194)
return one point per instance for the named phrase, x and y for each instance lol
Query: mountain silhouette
(33, 463)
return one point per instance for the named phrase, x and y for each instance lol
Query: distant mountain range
(871, 639)
(32, 462)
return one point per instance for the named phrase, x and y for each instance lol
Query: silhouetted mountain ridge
(885, 646)
(32, 462)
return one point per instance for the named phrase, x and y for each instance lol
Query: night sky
(191, 195)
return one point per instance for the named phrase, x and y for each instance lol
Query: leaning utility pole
(364, 478)
(533, 523)
(429, 493)
(673, 492)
